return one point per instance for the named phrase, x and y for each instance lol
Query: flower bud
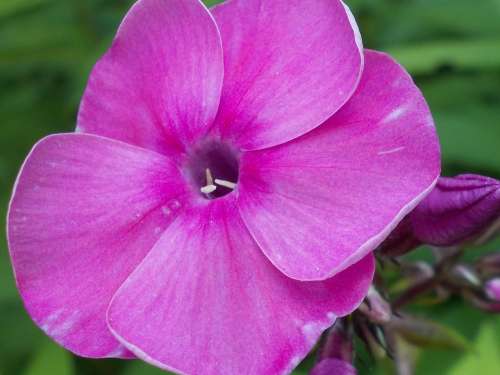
(482, 303)
(489, 264)
(375, 308)
(336, 355)
(418, 271)
(464, 275)
(338, 343)
(331, 366)
(492, 289)
(458, 209)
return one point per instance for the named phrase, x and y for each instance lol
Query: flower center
(213, 168)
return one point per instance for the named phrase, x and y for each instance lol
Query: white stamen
(207, 189)
(228, 184)
(210, 179)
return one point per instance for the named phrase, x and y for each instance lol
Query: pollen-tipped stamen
(208, 174)
(210, 187)
(228, 184)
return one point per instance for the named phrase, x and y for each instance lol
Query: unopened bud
(331, 366)
(465, 276)
(418, 271)
(484, 304)
(489, 264)
(458, 210)
(336, 355)
(492, 289)
(338, 343)
(375, 308)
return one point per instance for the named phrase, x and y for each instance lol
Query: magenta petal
(159, 85)
(84, 213)
(321, 202)
(288, 66)
(207, 301)
(331, 366)
(457, 209)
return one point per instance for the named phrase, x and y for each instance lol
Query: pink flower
(231, 174)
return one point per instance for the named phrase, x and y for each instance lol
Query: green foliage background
(47, 48)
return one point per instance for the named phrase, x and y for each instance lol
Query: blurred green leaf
(9, 7)
(467, 116)
(388, 23)
(20, 336)
(461, 318)
(485, 359)
(50, 359)
(468, 54)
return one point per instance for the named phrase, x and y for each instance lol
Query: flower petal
(207, 301)
(332, 366)
(321, 202)
(457, 209)
(159, 85)
(288, 66)
(84, 213)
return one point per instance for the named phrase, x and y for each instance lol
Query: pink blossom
(231, 174)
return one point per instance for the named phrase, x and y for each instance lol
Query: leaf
(50, 359)
(20, 337)
(10, 7)
(460, 54)
(467, 320)
(467, 116)
(485, 358)
(391, 23)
